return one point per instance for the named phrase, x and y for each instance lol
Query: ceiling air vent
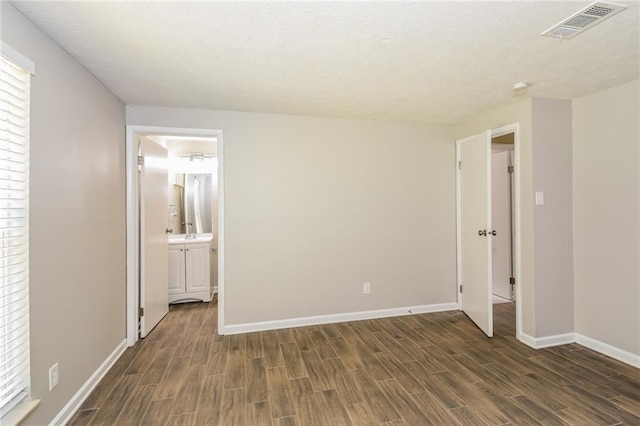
(584, 19)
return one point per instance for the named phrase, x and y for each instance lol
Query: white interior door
(474, 174)
(154, 247)
(501, 222)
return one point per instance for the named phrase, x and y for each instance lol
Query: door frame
(133, 214)
(515, 129)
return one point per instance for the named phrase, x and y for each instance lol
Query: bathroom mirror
(190, 208)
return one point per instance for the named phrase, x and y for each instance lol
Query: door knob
(482, 232)
(168, 231)
(494, 232)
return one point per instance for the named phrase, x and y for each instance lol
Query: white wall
(553, 222)
(606, 194)
(77, 221)
(315, 207)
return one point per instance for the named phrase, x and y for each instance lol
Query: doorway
(502, 218)
(184, 145)
(502, 209)
(476, 233)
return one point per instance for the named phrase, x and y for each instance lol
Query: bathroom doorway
(193, 191)
(191, 156)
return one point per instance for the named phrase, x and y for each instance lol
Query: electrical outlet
(53, 376)
(366, 288)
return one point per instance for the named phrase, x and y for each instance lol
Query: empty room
(320, 213)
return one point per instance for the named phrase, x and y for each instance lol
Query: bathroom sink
(182, 239)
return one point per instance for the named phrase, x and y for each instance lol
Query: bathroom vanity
(189, 269)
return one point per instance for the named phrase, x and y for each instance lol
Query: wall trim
(593, 344)
(76, 401)
(334, 318)
(527, 340)
(555, 340)
(547, 341)
(611, 351)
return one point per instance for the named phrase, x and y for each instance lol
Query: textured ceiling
(409, 61)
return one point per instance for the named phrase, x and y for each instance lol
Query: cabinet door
(197, 264)
(176, 270)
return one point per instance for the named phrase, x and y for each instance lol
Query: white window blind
(14, 235)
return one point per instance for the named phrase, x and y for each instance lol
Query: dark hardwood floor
(414, 370)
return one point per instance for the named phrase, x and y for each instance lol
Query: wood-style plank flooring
(414, 370)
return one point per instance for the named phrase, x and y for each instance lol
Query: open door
(474, 207)
(154, 246)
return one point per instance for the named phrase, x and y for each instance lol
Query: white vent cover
(584, 19)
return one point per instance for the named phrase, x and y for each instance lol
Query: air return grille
(599, 10)
(584, 19)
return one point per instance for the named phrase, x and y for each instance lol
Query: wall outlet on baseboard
(366, 288)
(53, 376)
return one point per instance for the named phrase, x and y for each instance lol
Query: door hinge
(459, 165)
(140, 160)
(512, 280)
(141, 312)
(460, 289)
(510, 169)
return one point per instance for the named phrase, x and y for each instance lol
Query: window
(14, 230)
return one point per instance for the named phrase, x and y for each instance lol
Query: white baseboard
(76, 401)
(334, 318)
(547, 341)
(527, 340)
(606, 349)
(596, 345)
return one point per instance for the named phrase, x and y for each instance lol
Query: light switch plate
(53, 376)
(540, 198)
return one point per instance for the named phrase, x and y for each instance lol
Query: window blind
(14, 234)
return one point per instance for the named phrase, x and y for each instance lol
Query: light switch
(540, 198)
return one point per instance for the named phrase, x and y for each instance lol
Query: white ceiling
(409, 61)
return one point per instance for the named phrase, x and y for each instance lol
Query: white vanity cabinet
(189, 271)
